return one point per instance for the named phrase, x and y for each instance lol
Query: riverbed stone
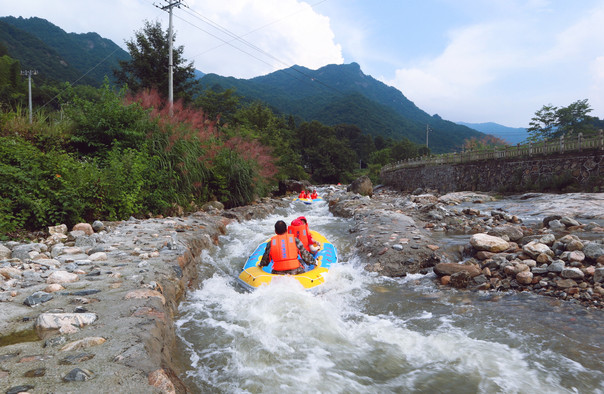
(514, 233)
(38, 297)
(83, 343)
(599, 275)
(97, 226)
(5, 253)
(556, 266)
(489, 243)
(565, 283)
(572, 273)
(460, 279)
(62, 277)
(86, 228)
(442, 269)
(534, 249)
(78, 375)
(593, 250)
(50, 321)
(524, 277)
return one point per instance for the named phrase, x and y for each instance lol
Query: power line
(252, 46)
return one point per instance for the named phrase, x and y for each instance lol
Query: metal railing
(526, 150)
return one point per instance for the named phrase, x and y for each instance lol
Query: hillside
(39, 44)
(344, 94)
(512, 135)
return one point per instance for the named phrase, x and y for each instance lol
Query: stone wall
(577, 171)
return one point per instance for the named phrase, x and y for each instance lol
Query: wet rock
(442, 269)
(460, 280)
(488, 243)
(362, 186)
(78, 375)
(38, 297)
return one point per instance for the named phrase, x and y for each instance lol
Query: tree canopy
(149, 66)
(552, 122)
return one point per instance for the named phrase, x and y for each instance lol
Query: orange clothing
(302, 194)
(313, 195)
(284, 252)
(300, 231)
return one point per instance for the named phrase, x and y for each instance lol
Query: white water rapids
(360, 333)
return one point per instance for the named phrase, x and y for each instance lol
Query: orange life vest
(302, 194)
(300, 232)
(313, 196)
(284, 252)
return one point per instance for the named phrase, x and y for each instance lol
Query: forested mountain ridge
(39, 44)
(337, 94)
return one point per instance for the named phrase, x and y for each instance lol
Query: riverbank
(557, 256)
(91, 310)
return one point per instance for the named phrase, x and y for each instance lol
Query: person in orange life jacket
(303, 194)
(299, 228)
(283, 249)
(313, 195)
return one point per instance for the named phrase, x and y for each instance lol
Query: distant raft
(308, 201)
(252, 276)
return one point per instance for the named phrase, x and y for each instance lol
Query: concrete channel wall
(562, 171)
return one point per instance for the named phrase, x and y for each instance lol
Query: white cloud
(488, 69)
(281, 33)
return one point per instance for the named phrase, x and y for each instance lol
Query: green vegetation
(110, 153)
(552, 122)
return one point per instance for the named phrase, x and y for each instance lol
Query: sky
(474, 61)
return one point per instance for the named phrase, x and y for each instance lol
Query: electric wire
(247, 43)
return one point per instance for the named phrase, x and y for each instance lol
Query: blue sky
(467, 60)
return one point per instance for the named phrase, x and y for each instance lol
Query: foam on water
(282, 338)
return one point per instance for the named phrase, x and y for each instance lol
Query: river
(362, 333)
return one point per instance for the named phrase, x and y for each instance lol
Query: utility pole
(29, 73)
(427, 130)
(171, 4)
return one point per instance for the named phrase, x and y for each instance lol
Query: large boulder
(489, 243)
(362, 186)
(290, 185)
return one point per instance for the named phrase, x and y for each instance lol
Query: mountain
(512, 135)
(39, 44)
(337, 94)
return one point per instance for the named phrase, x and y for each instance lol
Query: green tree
(543, 124)
(218, 104)
(552, 122)
(573, 119)
(149, 68)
